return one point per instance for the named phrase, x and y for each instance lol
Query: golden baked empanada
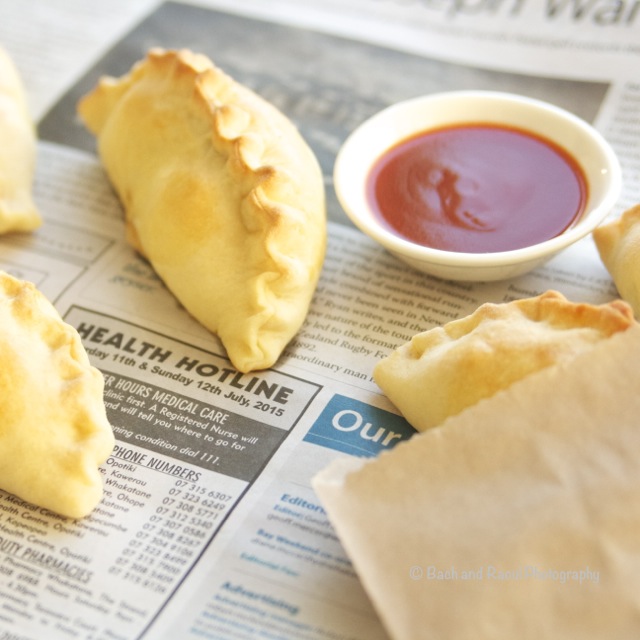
(618, 243)
(444, 370)
(54, 431)
(17, 153)
(221, 193)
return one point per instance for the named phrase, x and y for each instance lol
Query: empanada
(54, 431)
(221, 193)
(618, 243)
(17, 153)
(444, 370)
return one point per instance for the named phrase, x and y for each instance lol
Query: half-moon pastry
(221, 193)
(54, 432)
(17, 153)
(444, 370)
(618, 243)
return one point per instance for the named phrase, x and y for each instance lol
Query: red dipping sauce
(477, 188)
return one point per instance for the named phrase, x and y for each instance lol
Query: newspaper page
(209, 527)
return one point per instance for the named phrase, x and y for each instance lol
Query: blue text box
(357, 428)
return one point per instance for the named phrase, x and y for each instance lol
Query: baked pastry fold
(17, 153)
(221, 194)
(444, 370)
(54, 431)
(618, 243)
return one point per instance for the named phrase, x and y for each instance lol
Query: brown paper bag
(517, 519)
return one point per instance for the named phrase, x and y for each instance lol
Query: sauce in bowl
(477, 188)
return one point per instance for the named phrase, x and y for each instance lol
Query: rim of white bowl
(590, 219)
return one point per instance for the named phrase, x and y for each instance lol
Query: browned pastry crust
(17, 153)
(618, 243)
(221, 194)
(442, 371)
(54, 431)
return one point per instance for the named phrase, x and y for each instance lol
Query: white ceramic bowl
(400, 121)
